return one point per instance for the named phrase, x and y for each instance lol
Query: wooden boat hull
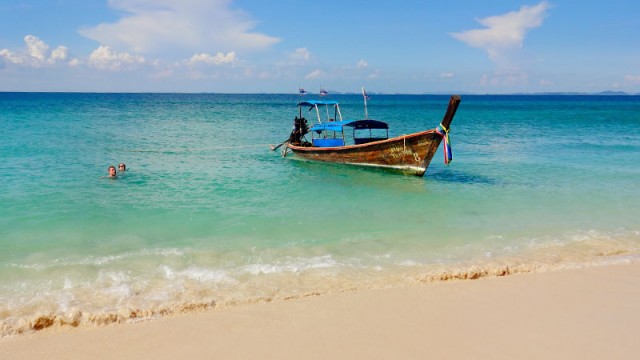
(410, 154)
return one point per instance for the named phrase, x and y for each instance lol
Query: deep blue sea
(207, 215)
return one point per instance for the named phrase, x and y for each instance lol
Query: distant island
(604, 93)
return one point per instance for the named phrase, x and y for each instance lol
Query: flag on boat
(446, 143)
(302, 91)
(323, 92)
(365, 97)
(364, 93)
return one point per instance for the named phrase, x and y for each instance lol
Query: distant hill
(603, 93)
(612, 93)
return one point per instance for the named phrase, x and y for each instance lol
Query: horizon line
(437, 93)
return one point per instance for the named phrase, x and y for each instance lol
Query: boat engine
(300, 129)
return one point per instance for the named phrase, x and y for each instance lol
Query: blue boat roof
(358, 124)
(332, 126)
(317, 102)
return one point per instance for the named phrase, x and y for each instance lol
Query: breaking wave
(119, 293)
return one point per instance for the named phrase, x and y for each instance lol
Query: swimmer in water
(112, 172)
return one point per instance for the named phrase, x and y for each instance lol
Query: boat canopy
(356, 124)
(313, 103)
(330, 126)
(368, 124)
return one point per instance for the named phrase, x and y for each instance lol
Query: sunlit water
(207, 215)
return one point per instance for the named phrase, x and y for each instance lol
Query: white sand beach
(588, 313)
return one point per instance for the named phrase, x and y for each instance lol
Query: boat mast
(318, 113)
(365, 96)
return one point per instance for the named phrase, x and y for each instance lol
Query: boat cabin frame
(331, 132)
(317, 104)
(363, 131)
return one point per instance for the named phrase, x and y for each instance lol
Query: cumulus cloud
(105, 58)
(37, 53)
(36, 48)
(217, 59)
(157, 26)
(12, 57)
(60, 53)
(504, 32)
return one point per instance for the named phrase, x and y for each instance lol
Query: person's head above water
(122, 167)
(112, 171)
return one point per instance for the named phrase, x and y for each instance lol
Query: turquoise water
(207, 215)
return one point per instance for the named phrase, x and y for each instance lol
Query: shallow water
(207, 215)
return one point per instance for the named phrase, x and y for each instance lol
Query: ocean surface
(207, 215)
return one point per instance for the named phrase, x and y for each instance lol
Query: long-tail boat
(369, 143)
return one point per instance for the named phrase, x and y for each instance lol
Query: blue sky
(249, 46)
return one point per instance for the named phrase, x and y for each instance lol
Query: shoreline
(314, 285)
(583, 313)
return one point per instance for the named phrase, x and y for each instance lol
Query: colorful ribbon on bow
(446, 147)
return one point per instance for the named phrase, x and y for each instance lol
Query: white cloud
(36, 48)
(373, 76)
(158, 26)
(59, 54)
(299, 56)
(506, 31)
(104, 58)
(544, 82)
(362, 64)
(446, 74)
(217, 59)
(37, 53)
(12, 57)
(315, 74)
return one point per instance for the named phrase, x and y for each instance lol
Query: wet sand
(588, 313)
